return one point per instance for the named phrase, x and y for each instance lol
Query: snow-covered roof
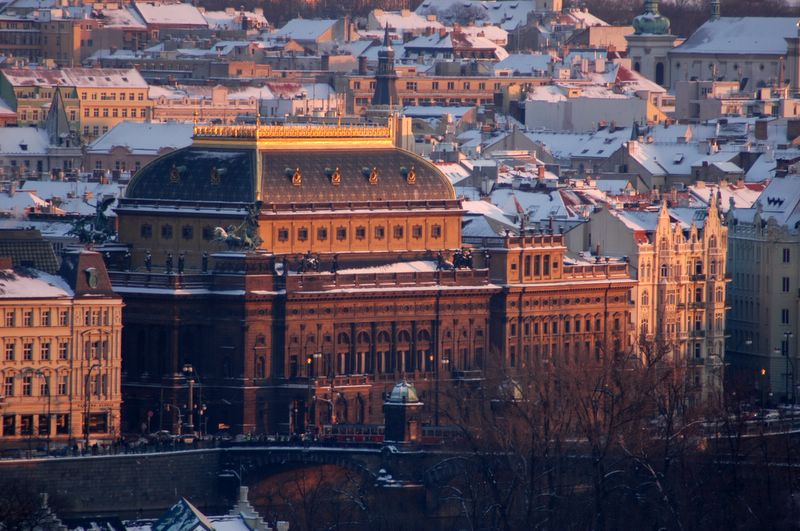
(123, 17)
(585, 18)
(401, 21)
(521, 64)
(23, 141)
(74, 197)
(675, 158)
(597, 144)
(301, 29)
(143, 138)
(225, 20)
(416, 266)
(762, 169)
(454, 172)
(179, 14)
(742, 196)
(32, 284)
(781, 200)
(741, 35)
(105, 77)
(538, 206)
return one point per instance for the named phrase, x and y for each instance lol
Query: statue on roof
(245, 236)
(97, 228)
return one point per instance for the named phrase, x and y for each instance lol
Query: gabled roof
(143, 138)
(177, 14)
(741, 35)
(304, 30)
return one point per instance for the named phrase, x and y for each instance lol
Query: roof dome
(403, 393)
(291, 174)
(651, 22)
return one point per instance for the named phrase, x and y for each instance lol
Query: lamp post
(445, 363)
(189, 374)
(785, 349)
(87, 404)
(309, 371)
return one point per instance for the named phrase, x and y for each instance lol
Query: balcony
(698, 333)
(697, 305)
(697, 278)
(464, 376)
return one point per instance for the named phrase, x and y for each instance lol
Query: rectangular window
(27, 385)
(467, 85)
(416, 231)
(27, 318)
(786, 256)
(27, 351)
(341, 233)
(785, 284)
(436, 231)
(11, 351)
(8, 387)
(26, 424)
(63, 350)
(451, 85)
(45, 318)
(379, 233)
(302, 234)
(322, 234)
(11, 318)
(361, 233)
(187, 232)
(44, 386)
(398, 232)
(166, 232)
(785, 316)
(63, 385)
(283, 235)
(44, 349)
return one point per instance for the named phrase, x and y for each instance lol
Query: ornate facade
(679, 259)
(346, 287)
(60, 365)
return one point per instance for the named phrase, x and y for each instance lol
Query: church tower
(649, 44)
(385, 77)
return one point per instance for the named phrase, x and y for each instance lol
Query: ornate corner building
(302, 271)
(60, 360)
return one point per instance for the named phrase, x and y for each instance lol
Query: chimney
(362, 65)
(442, 33)
(792, 129)
(761, 130)
(540, 172)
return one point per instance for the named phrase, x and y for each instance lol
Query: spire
(715, 9)
(386, 41)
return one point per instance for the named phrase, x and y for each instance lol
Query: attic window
(678, 158)
(585, 151)
(23, 147)
(91, 78)
(40, 80)
(125, 79)
(108, 79)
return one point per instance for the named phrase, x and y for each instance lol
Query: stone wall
(125, 485)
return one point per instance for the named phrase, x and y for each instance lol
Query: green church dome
(651, 22)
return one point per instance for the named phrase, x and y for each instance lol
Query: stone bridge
(144, 484)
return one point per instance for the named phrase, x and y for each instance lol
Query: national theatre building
(300, 271)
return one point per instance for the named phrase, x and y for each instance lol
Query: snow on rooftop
(416, 266)
(143, 138)
(524, 64)
(300, 29)
(741, 35)
(402, 21)
(179, 14)
(32, 284)
(24, 141)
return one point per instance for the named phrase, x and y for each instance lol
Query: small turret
(651, 22)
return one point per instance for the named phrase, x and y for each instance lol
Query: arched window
(260, 367)
(698, 267)
(664, 245)
(343, 339)
(698, 295)
(718, 295)
(712, 242)
(660, 73)
(404, 337)
(713, 267)
(664, 270)
(423, 335)
(645, 298)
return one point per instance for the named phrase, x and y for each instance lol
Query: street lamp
(87, 403)
(190, 375)
(785, 349)
(309, 371)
